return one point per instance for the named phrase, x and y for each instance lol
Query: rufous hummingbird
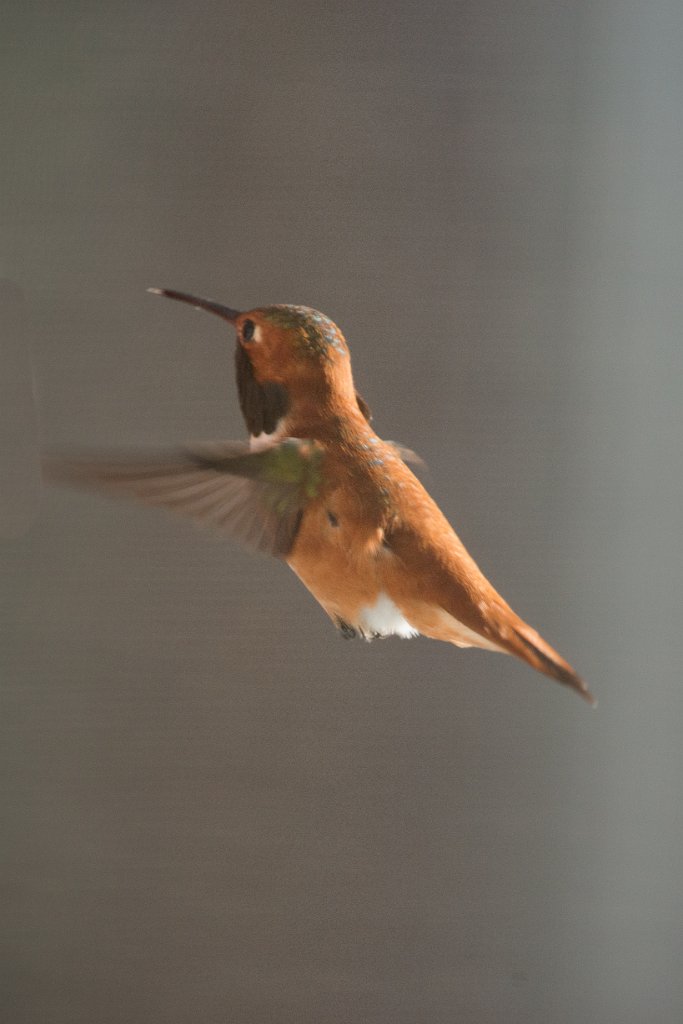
(317, 487)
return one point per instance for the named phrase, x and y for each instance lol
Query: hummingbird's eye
(248, 328)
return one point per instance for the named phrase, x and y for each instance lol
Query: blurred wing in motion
(258, 497)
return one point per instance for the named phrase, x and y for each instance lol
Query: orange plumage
(319, 488)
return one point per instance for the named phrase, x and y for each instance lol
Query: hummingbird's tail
(528, 645)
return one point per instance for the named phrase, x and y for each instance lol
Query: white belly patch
(383, 618)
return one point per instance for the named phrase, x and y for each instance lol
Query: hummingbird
(317, 487)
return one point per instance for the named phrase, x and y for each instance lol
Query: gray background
(215, 810)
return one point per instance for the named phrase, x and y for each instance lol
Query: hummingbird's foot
(351, 632)
(347, 632)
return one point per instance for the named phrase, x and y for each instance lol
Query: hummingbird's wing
(407, 454)
(258, 497)
(364, 407)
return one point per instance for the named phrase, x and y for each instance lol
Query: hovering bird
(317, 487)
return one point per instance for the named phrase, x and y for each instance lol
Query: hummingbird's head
(292, 350)
(292, 344)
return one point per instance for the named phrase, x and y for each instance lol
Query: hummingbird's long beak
(192, 300)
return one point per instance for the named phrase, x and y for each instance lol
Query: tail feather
(527, 644)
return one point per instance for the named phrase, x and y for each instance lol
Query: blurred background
(215, 810)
